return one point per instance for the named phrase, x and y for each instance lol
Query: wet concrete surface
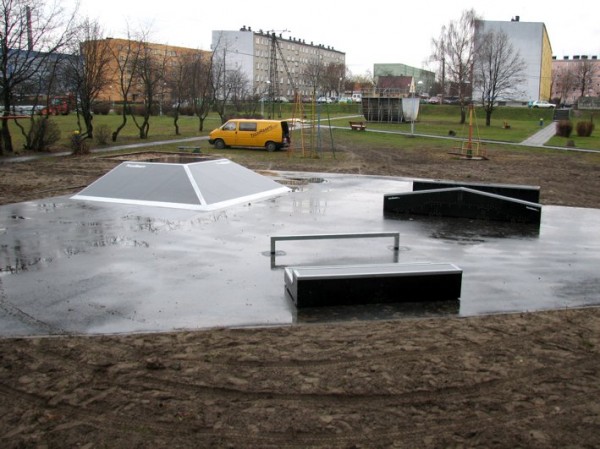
(77, 267)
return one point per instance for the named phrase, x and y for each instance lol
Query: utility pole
(274, 93)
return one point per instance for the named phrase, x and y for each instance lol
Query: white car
(324, 100)
(542, 104)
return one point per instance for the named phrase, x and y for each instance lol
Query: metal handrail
(277, 238)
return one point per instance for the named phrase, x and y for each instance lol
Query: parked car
(451, 100)
(434, 100)
(276, 100)
(347, 100)
(324, 100)
(542, 104)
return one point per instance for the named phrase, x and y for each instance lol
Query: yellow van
(270, 134)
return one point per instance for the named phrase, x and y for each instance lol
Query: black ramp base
(525, 193)
(464, 203)
(319, 286)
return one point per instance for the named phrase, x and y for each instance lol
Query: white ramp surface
(205, 185)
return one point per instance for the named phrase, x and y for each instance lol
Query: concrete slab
(92, 268)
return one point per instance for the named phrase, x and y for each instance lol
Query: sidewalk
(541, 137)
(105, 149)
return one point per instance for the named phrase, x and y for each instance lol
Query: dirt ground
(525, 380)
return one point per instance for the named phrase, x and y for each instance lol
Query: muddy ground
(506, 381)
(565, 178)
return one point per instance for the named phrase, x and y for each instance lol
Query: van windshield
(229, 126)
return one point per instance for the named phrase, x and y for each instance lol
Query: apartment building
(576, 80)
(257, 54)
(532, 42)
(122, 50)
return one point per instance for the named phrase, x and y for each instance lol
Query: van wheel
(271, 146)
(219, 144)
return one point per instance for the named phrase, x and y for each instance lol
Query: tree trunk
(89, 127)
(115, 134)
(6, 145)
(176, 121)
(463, 114)
(6, 139)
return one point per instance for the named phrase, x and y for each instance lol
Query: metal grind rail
(360, 235)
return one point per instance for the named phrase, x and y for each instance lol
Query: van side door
(246, 136)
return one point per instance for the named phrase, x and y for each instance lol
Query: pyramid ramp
(204, 186)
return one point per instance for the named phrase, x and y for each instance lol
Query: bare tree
(126, 56)
(332, 77)
(585, 71)
(454, 49)
(201, 84)
(362, 82)
(439, 56)
(241, 90)
(31, 34)
(564, 81)
(498, 68)
(224, 81)
(150, 75)
(50, 81)
(88, 71)
(313, 75)
(177, 82)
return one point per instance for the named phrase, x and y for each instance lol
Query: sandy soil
(507, 381)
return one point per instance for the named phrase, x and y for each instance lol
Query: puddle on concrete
(469, 231)
(167, 158)
(146, 269)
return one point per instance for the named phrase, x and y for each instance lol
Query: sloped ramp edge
(202, 186)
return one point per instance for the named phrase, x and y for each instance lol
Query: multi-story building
(121, 50)
(576, 80)
(531, 40)
(267, 58)
(423, 80)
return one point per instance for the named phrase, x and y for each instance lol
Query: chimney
(29, 31)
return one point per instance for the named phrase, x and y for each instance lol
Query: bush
(78, 144)
(564, 128)
(585, 129)
(101, 108)
(43, 133)
(138, 109)
(186, 110)
(102, 134)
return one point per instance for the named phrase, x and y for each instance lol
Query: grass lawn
(434, 120)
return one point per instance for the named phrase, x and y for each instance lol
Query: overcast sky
(368, 33)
